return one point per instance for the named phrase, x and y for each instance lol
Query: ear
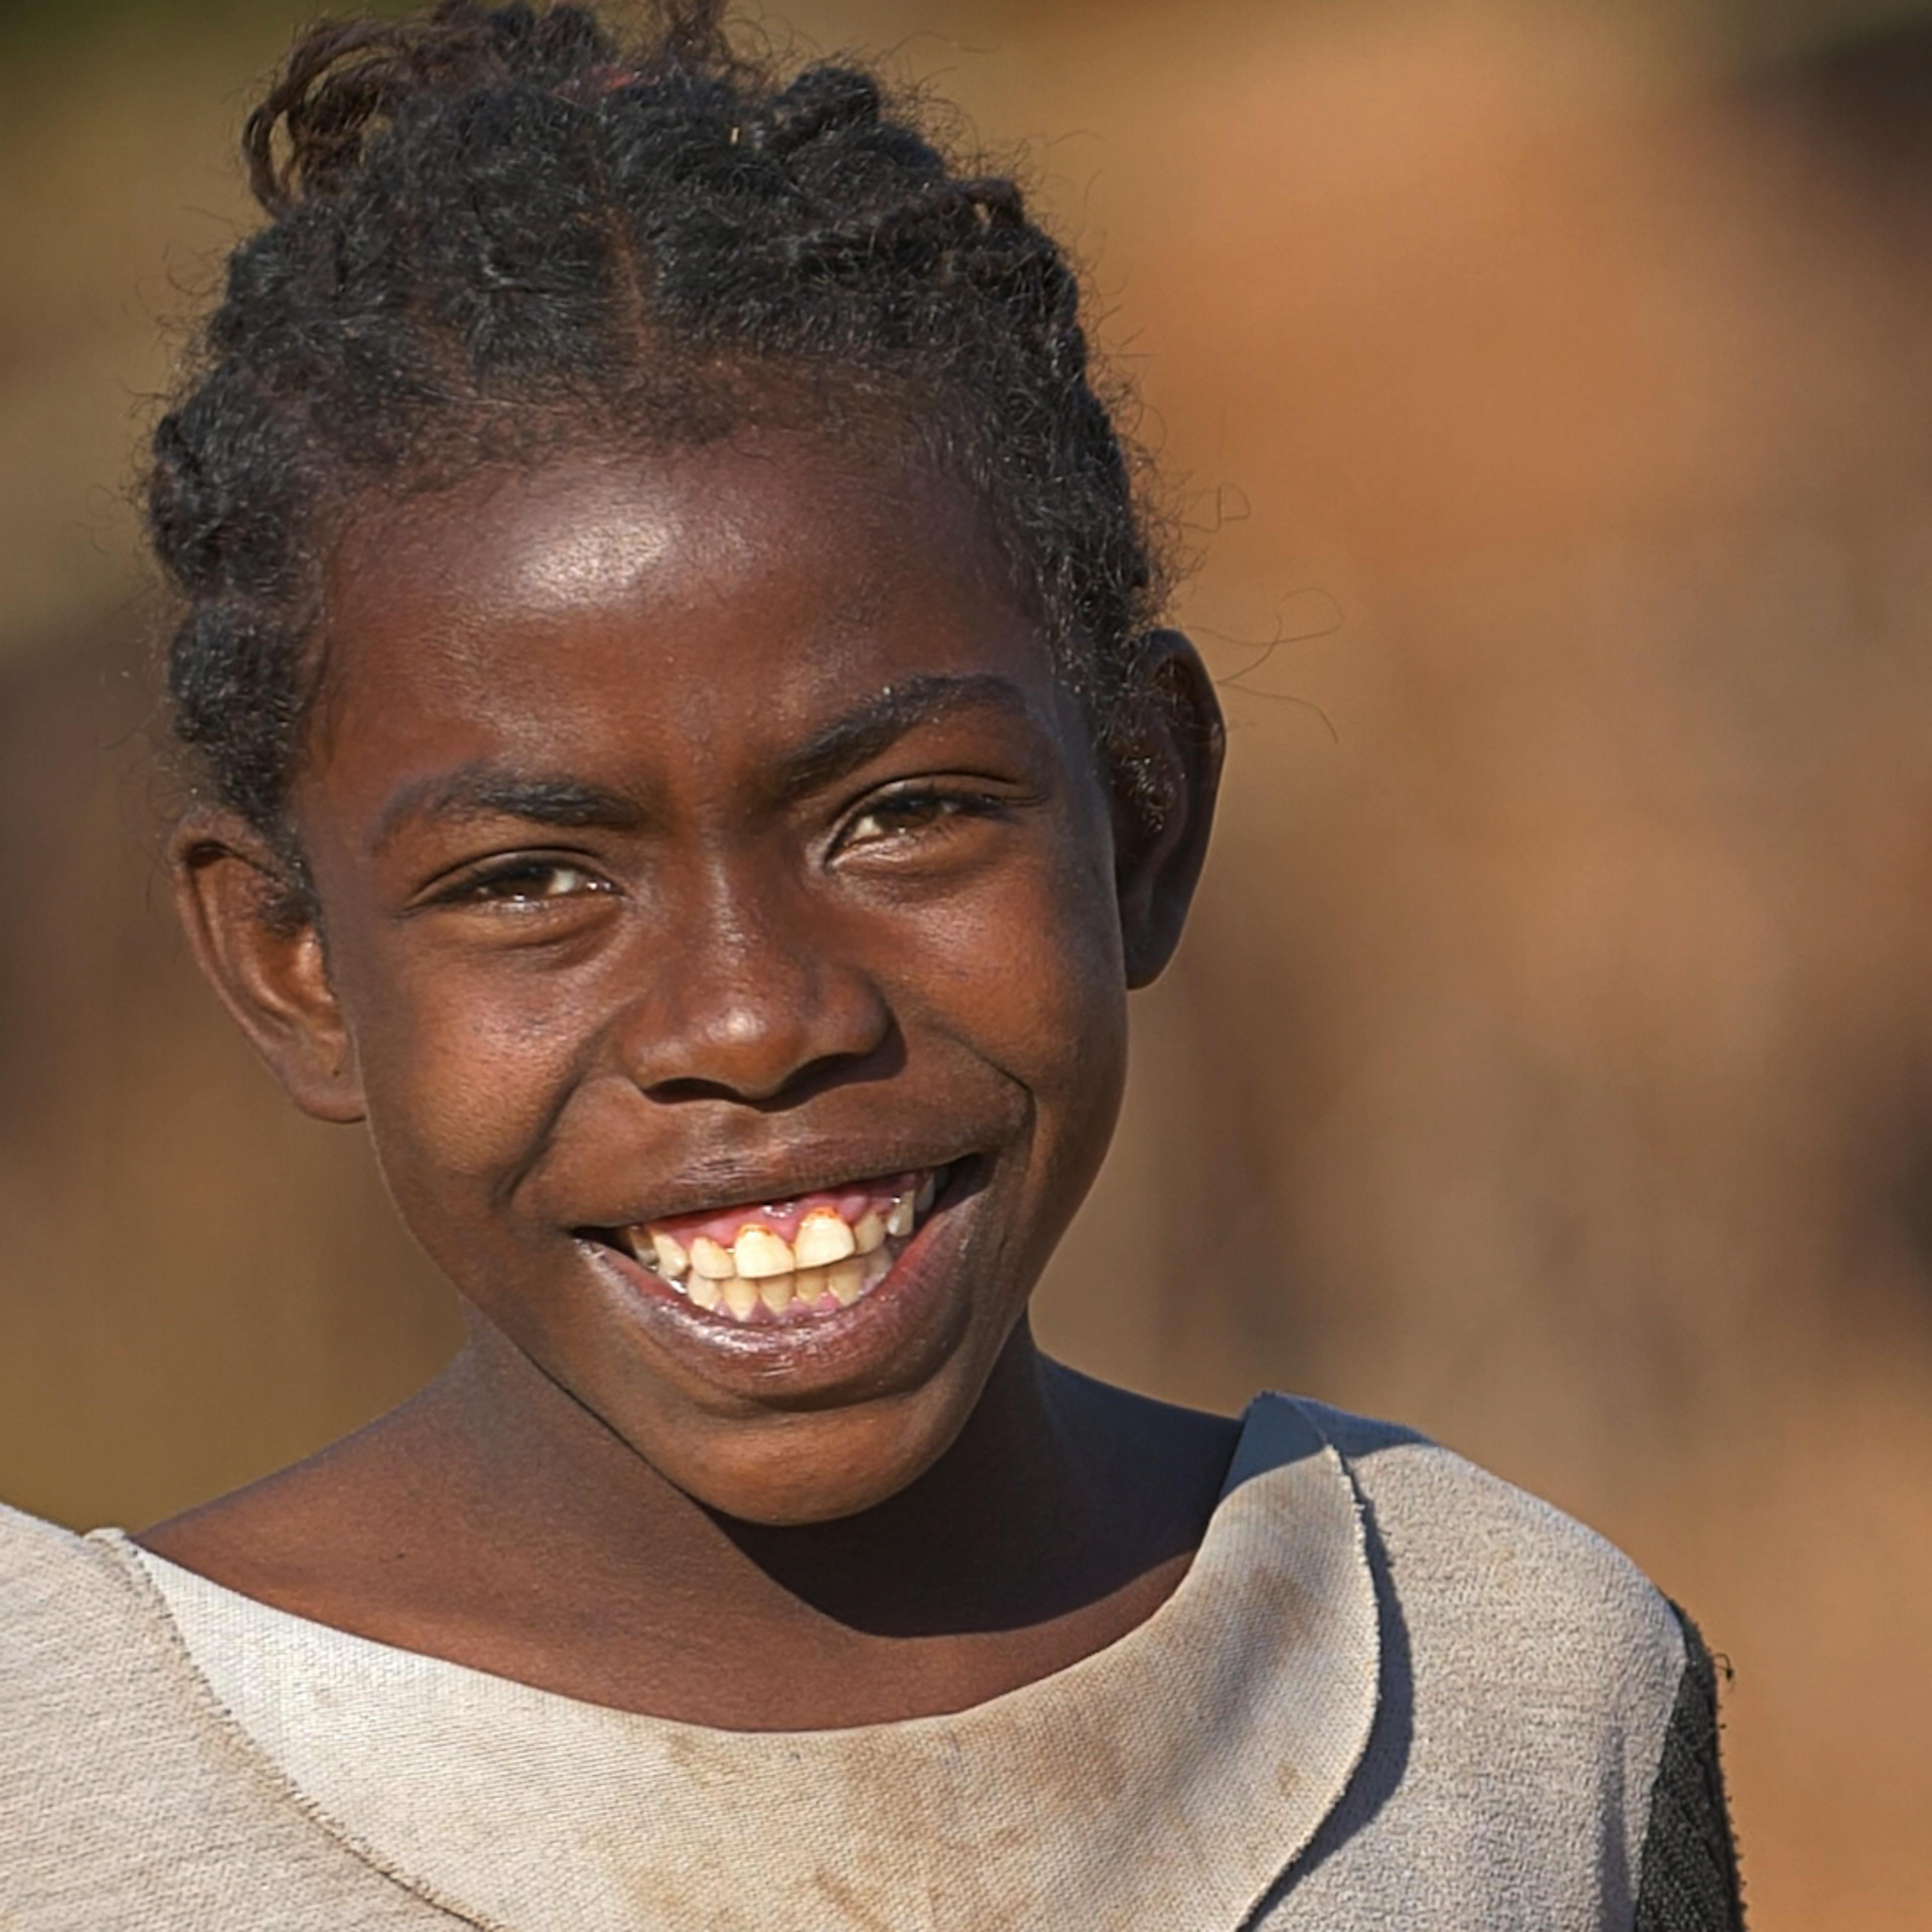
(255, 935)
(1165, 765)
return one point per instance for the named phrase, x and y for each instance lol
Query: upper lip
(715, 1189)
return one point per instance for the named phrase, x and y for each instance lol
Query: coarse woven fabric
(1528, 1672)
(1392, 1691)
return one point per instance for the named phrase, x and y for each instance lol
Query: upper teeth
(758, 1253)
(714, 1275)
(714, 1262)
(823, 1238)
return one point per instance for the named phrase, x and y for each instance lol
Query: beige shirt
(1389, 1691)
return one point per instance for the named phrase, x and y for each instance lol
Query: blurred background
(1545, 398)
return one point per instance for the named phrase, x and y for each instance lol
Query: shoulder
(67, 1626)
(1529, 1674)
(54, 1585)
(128, 1801)
(1489, 1565)
(28, 1542)
(72, 1621)
(88, 1662)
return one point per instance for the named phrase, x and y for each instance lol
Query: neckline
(1273, 1431)
(1236, 1710)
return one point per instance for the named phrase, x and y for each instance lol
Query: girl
(687, 754)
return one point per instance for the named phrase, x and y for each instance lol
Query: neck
(1020, 1521)
(495, 1522)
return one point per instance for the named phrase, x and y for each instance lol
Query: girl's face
(727, 929)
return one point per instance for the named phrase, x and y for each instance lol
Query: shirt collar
(1168, 1779)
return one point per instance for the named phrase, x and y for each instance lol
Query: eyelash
(495, 886)
(918, 809)
(925, 803)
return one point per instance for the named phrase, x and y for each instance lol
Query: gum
(783, 1218)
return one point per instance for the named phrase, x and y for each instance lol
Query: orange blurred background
(1544, 395)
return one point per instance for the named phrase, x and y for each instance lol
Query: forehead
(752, 575)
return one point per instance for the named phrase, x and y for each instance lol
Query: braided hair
(492, 228)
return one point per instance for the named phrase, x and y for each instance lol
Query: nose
(755, 1001)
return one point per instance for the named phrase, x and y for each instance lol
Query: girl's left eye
(904, 814)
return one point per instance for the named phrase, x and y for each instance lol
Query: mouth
(791, 1263)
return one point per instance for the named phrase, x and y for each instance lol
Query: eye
(527, 882)
(909, 813)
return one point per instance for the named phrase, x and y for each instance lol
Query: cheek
(1073, 981)
(1060, 996)
(1031, 969)
(1061, 989)
(462, 1067)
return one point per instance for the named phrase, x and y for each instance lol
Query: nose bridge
(746, 987)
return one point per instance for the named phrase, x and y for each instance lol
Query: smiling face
(725, 942)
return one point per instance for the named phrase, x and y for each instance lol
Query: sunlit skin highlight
(686, 830)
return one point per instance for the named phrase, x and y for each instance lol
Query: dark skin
(690, 830)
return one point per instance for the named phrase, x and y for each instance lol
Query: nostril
(671, 1092)
(803, 1082)
(707, 1028)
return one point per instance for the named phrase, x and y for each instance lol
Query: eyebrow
(484, 790)
(873, 727)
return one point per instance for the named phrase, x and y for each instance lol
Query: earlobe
(256, 939)
(1165, 757)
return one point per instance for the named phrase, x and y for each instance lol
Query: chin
(792, 1471)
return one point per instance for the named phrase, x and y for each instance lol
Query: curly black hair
(495, 228)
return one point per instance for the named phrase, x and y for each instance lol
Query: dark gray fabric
(1689, 1874)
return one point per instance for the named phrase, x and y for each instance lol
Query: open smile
(800, 1261)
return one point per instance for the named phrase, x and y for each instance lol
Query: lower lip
(878, 1320)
